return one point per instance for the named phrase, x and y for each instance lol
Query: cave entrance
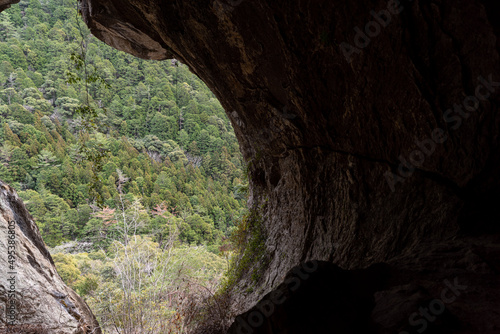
(149, 239)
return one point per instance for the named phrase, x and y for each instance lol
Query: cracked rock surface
(352, 161)
(30, 279)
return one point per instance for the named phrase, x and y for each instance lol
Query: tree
(159, 126)
(204, 141)
(164, 225)
(6, 153)
(47, 159)
(20, 164)
(7, 28)
(183, 138)
(17, 57)
(66, 267)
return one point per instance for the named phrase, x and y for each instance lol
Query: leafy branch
(93, 152)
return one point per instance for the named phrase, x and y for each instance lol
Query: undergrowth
(248, 242)
(249, 260)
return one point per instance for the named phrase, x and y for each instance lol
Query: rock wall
(371, 127)
(29, 280)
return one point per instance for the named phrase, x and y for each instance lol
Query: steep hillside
(167, 139)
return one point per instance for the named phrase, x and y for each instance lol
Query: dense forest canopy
(172, 154)
(152, 249)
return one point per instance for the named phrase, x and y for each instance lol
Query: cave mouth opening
(173, 184)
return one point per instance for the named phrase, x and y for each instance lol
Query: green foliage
(248, 244)
(139, 286)
(87, 285)
(66, 267)
(54, 216)
(73, 111)
(135, 161)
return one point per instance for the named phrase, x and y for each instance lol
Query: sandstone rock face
(371, 127)
(29, 278)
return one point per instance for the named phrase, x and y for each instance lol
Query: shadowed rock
(316, 297)
(4, 4)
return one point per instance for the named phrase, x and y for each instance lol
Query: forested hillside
(172, 157)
